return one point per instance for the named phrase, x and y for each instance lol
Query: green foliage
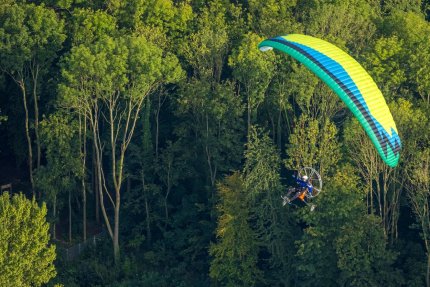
(207, 48)
(408, 26)
(346, 23)
(26, 255)
(303, 144)
(170, 17)
(59, 134)
(88, 26)
(391, 6)
(212, 125)
(419, 63)
(274, 227)
(235, 253)
(130, 65)
(363, 259)
(313, 143)
(272, 17)
(30, 35)
(342, 244)
(262, 165)
(411, 120)
(253, 70)
(195, 81)
(385, 64)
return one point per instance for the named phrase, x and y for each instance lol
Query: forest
(150, 143)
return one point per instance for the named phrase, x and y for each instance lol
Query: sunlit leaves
(28, 33)
(386, 64)
(26, 257)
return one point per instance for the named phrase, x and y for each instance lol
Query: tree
(235, 253)
(31, 36)
(342, 245)
(212, 124)
(313, 143)
(208, 106)
(106, 81)
(391, 6)
(208, 47)
(384, 184)
(274, 17)
(274, 225)
(346, 23)
(59, 177)
(171, 169)
(419, 62)
(167, 16)
(254, 71)
(27, 258)
(412, 120)
(419, 195)
(362, 255)
(385, 64)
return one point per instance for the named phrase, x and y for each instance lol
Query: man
(303, 188)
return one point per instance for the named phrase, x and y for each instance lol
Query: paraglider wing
(348, 79)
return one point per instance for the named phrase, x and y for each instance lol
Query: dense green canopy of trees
(160, 125)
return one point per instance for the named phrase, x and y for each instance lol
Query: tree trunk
(70, 216)
(84, 212)
(148, 220)
(99, 179)
(116, 227)
(84, 193)
(35, 75)
(27, 134)
(54, 215)
(157, 126)
(96, 189)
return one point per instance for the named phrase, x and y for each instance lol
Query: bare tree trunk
(98, 152)
(84, 212)
(96, 188)
(157, 126)
(70, 216)
(120, 121)
(27, 134)
(35, 75)
(116, 227)
(83, 145)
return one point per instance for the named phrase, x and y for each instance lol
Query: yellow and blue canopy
(348, 79)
